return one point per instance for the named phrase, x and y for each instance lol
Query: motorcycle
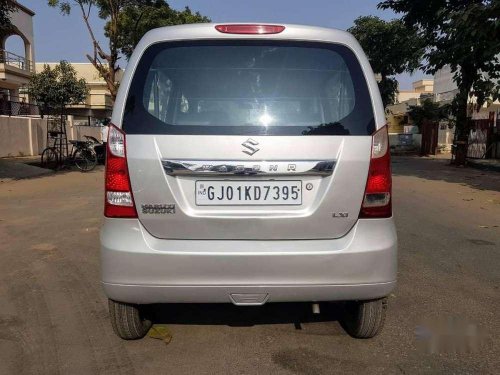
(99, 148)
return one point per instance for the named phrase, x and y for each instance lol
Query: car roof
(207, 30)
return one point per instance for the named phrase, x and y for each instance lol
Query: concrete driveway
(54, 319)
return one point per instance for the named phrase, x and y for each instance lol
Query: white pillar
(31, 135)
(70, 123)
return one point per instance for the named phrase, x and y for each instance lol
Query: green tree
(119, 29)
(6, 7)
(135, 21)
(57, 88)
(464, 35)
(392, 48)
(428, 111)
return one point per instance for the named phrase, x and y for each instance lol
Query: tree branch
(107, 73)
(97, 47)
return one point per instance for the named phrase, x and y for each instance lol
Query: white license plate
(248, 193)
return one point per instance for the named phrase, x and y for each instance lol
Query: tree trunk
(99, 57)
(113, 56)
(111, 82)
(462, 128)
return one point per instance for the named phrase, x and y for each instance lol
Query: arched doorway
(15, 49)
(16, 54)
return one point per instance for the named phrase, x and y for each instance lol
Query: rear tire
(364, 319)
(50, 158)
(85, 159)
(128, 320)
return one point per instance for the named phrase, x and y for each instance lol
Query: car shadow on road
(243, 316)
(442, 170)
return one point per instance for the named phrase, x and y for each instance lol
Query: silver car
(248, 164)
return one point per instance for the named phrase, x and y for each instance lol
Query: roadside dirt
(54, 319)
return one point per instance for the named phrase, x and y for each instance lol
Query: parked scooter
(98, 147)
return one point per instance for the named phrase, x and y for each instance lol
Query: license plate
(248, 193)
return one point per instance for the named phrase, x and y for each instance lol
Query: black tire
(50, 158)
(100, 151)
(85, 159)
(364, 319)
(128, 320)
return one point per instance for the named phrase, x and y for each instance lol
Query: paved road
(53, 315)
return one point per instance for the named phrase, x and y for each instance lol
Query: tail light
(118, 192)
(249, 29)
(377, 202)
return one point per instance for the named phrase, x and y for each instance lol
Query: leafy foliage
(6, 7)
(126, 22)
(392, 48)
(106, 63)
(105, 7)
(57, 87)
(135, 21)
(428, 111)
(388, 87)
(464, 35)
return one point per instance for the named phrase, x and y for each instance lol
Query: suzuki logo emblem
(250, 144)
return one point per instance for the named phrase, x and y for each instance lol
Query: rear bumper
(139, 268)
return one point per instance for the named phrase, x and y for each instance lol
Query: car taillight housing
(119, 201)
(377, 202)
(249, 29)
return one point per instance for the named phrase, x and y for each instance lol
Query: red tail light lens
(377, 202)
(119, 201)
(250, 29)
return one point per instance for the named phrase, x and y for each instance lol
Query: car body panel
(313, 219)
(328, 210)
(316, 251)
(140, 268)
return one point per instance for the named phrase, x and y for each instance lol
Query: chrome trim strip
(175, 167)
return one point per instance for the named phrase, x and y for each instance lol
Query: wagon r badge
(340, 214)
(250, 144)
(161, 209)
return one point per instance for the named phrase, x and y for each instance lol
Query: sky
(59, 37)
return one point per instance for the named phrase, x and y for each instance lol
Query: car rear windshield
(248, 88)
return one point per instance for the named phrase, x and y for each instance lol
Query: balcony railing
(15, 108)
(10, 108)
(17, 61)
(95, 101)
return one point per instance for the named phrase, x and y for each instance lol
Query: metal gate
(480, 142)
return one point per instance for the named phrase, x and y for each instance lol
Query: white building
(98, 104)
(445, 90)
(16, 68)
(422, 86)
(397, 114)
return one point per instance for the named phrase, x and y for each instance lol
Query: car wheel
(364, 319)
(128, 320)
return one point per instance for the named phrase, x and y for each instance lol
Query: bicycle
(82, 155)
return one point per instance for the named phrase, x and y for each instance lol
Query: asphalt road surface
(54, 319)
